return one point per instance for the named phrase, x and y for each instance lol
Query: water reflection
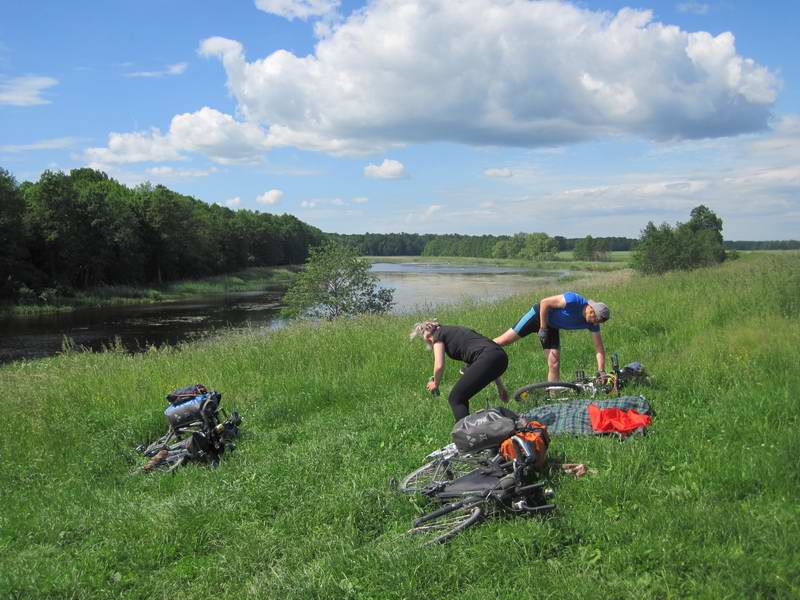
(140, 326)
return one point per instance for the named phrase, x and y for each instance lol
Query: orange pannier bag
(536, 435)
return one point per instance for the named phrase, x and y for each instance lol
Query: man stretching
(569, 310)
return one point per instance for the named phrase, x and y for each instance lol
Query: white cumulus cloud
(388, 169)
(271, 197)
(207, 131)
(26, 90)
(360, 200)
(518, 73)
(298, 9)
(233, 202)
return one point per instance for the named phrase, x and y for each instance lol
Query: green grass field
(706, 505)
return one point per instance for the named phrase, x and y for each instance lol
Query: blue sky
(468, 116)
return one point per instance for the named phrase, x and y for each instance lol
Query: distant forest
(770, 245)
(84, 229)
(483, 246)
(486, 246)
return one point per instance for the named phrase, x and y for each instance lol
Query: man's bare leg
(509, 337)
(553, 357)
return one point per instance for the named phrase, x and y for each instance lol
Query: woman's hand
(432, 387)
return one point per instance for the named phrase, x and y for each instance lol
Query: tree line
(765, 245)
(83, 229)
(520, 245)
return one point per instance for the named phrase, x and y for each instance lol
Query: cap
(601, 310)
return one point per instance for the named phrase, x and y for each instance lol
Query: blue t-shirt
(571, 316)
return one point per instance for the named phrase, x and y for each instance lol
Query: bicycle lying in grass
(583, 386)
(474, 486)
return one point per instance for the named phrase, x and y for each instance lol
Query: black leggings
(490, 365)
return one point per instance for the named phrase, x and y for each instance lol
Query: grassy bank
(564, 260)
(706, 505)
(256, 278)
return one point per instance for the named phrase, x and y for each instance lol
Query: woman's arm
(438, 365)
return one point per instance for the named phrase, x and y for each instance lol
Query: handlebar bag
(483, 429)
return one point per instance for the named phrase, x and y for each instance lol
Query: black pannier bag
(483, 429)
(633, 371)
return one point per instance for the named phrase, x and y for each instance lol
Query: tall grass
(706, 505)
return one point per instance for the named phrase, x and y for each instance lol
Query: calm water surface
(138, 326)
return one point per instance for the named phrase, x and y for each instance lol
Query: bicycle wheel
(441, 525)
(547, 391)
(439, 471)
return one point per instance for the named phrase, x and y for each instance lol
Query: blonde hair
(423, 327)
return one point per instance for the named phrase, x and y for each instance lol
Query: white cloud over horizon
(388, 169)
(26, 90)
(208, 132)
(270, 198)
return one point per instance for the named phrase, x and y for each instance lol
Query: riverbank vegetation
(705, 505)
(247, 280)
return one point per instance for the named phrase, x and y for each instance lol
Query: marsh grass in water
(706, 505)
(563, 260)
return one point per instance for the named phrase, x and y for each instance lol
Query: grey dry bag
(483, 429)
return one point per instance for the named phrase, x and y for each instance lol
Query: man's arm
(545, 304)
(600, 350)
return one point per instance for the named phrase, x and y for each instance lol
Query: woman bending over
(486, 360)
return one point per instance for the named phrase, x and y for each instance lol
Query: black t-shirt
(461, 343)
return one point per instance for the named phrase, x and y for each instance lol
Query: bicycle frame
(493, 484)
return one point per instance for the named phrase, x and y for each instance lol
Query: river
(138, 326)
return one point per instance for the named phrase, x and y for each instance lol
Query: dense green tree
(335, 282)
(86, 229)
(15, 268)
(539, 246)
(686, 246)
(590, 248)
